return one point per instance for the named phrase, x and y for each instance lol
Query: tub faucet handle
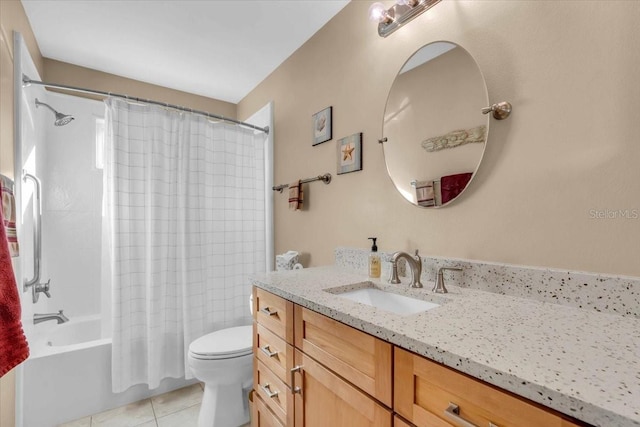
(39, 288)
(45, 288)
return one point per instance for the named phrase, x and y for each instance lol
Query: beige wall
(73, 75)
(571, 145)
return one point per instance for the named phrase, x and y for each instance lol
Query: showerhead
(61, 119)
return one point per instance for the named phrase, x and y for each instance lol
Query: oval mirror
(433, 124)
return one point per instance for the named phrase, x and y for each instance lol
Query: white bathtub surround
(184, 228)
(580, 362)
(71, 379)
(80, 332)
(599, 292)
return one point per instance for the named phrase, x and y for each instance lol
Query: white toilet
(223, 360)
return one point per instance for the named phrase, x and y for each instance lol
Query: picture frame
(349, 153)
(322, 126)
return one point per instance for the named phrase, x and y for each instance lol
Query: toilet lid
(225, 343)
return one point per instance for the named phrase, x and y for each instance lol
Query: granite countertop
(579, 362)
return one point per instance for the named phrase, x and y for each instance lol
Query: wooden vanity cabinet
(313, 371)
(327, 380)
(424, 390)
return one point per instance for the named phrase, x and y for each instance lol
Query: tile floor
(178, 408)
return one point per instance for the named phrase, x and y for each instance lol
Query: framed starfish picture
(350, 154)
(322, 126)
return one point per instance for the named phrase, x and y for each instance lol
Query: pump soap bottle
(374, 260)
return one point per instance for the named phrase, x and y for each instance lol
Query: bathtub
(77, 334)
(68, 374)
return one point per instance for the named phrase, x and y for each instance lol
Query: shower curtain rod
(26, 81)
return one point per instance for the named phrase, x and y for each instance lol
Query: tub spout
(59, 316)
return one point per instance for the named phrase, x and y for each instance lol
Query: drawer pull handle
(267, 390)
(295, 389)
(268, 352)
(268, 312)
(453, 412)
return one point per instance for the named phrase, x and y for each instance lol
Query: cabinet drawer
(361, 359)
(424, 390)
(274, 313)
(399, 422)
(273, 351)
(274, 393)
(262, 415)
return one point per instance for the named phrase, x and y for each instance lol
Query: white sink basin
(388, 301)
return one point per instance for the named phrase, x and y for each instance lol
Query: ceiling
(215, 48)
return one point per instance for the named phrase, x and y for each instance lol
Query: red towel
(452, 185)
(13, 344)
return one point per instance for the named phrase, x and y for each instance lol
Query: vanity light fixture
(397, 15)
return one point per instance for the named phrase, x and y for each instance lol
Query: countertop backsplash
(603, 293)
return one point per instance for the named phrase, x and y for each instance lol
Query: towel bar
(326, 178)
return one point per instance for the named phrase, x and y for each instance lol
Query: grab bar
(37, 231)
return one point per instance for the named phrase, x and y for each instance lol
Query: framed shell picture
(322, 126)
(350, 153)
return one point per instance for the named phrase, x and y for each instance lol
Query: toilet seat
(223, 344)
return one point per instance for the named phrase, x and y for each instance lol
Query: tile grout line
(153, 409)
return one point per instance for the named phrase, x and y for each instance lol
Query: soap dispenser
(374, 260)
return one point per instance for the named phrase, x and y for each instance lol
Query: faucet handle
(439, 287)
(45, 288)
(39, 288)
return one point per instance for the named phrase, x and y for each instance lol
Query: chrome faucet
(415, 265)
(59, 316)
(439, 287)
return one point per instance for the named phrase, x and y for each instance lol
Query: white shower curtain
(183, 229)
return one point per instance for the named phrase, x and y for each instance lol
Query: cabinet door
(361, 359)
(324, 399)
(424, 392)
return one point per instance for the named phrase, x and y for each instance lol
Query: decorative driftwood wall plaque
(455, 139)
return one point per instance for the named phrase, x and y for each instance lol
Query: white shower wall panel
(72, 206)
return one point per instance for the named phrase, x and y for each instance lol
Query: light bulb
(378, 13)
